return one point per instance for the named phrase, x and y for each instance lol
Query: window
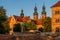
(57, 12)
(57, 29)
(57, 20)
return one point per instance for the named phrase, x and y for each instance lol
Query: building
(55, 16)
(39, 20)
(21, 19)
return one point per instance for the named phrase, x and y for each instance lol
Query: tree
(3, 16)
(30, 26)
(2, 11)
(47, 24)
(17, 28)
(3, 21)
(2, 29)
(6, 26)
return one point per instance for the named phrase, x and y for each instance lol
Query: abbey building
(55, 19)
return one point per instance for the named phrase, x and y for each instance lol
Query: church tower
(55, 16)
(35, 14)
(22, 14)
(43, 14)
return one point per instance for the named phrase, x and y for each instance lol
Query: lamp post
(22, 27)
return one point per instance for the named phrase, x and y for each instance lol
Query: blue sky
(13, 7)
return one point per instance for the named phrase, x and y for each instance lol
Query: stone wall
(29, 36)
(5, 37)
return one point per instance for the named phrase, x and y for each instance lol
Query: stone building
(21, 19)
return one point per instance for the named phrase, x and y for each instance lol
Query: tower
(35, 14)
(22, 14)
(43, 14)
(55, 16)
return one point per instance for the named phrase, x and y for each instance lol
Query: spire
(22, 14)
(43, 12)
(35, 9)
(22, 11)
(35, 14)
(43, 9)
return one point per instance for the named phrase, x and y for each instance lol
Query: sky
(13, 7)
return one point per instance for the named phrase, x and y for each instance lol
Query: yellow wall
(39, 26)
(35, 17)
(54, 17)
(43, 16)
(12, 22)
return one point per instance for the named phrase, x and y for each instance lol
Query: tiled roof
(39, 22)
(56, 5)
(18, 18)
(26, 18)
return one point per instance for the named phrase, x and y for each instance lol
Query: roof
(56, 5)
(18, 18)
(38, 21)
(26, 18)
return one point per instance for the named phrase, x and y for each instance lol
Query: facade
(55, 16)
(16, 19)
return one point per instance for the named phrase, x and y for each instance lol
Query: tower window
(57, 20)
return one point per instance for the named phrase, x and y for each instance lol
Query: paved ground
(30, 36)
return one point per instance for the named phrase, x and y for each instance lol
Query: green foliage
(2, 11)
(17, 28)
(2, 29)
(47, 24)
(30, 26)
(3, 19)
(4, 25)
